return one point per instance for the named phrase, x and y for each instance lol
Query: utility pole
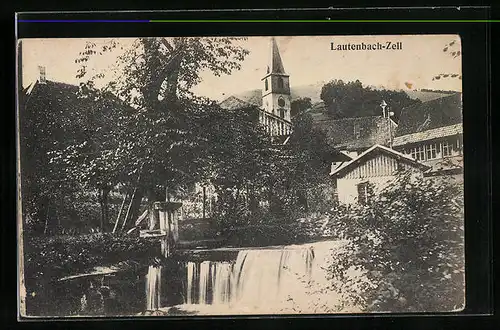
(387, 115)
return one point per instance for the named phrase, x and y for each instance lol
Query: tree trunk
(47, 228)
(134, 206)
(153, 196)
(253, 204)
(204, 201)
(234, 213)
(103, 201)
(120, 213)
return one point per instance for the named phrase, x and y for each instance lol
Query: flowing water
(221, 281)
(261, 280)
(153, 288)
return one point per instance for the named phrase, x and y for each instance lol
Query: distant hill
(427, 95)
(313, 91)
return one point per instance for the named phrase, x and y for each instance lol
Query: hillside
(313, 92)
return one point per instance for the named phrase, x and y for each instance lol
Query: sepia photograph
(257, 175)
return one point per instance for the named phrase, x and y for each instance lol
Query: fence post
(168, 225)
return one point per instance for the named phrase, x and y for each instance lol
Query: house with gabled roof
(431, 132)
(357, 180)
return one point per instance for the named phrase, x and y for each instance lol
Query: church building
(275, 103)
(276, 98)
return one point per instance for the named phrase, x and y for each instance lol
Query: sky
(307, 59)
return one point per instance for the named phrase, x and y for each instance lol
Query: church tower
(276, 92)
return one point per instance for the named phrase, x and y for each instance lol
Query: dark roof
(57, 99)
(276, 64)
(65, 111)
(234, 103)
(341, 133)
(430, 134)
(441, 112)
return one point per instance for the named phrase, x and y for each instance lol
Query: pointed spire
(275, 65)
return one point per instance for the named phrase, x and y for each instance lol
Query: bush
(49, 258)
(404, 250)
(408, 246)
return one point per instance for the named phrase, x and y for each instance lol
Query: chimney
(42, 79)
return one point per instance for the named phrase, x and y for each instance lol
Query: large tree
(304, 163)
(299, 105)
(240, 154)
(352, 99)
(159, 141)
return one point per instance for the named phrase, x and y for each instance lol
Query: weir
(253, 279)
(153, 288)
(228, 278)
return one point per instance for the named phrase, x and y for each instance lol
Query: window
(446, 149)
(420, 153)
(459, 146)
(282, 113)
(431, 151)
(266, 84)
(281, 102)
(364, 192)
(280, 82)
(413, 153)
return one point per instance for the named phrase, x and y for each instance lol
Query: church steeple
(276, 90)
(275, 63)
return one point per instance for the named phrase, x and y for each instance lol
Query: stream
(225, 281)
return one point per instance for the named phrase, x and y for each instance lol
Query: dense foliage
(133, 130)
(404, 250)
(47, 259)
(352, 99)
(299, 105)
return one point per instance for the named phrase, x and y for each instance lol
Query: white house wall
(379, 171)
(347, 189)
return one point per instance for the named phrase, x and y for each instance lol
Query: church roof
(355, 133)
(441, 112)
(234, 103)
(276, 64)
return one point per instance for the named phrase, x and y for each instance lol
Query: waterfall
(191, 268)
(221, 282)
(257, 277)
(153, 287)
(204, 279)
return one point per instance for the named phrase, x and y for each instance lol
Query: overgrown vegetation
(404, 250)
(352, 99)
(51, 258)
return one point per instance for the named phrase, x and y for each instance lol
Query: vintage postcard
(195, 176)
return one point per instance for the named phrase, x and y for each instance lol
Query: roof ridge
(352, 118)
(369, 150)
